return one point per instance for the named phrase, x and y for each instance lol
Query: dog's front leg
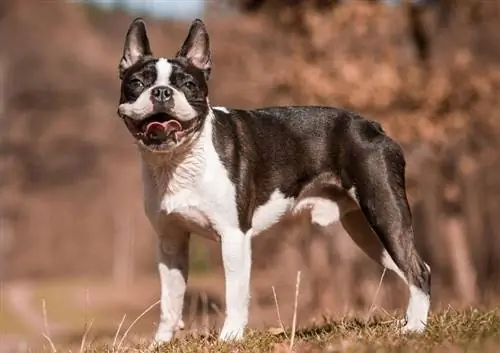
(173, 251)
(236, 257)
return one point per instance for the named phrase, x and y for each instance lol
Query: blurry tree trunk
(463, 269)
(418, 32)
(472, 208)
(431, 184)
(123, 259)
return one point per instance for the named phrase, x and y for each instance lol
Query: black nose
(161, 94)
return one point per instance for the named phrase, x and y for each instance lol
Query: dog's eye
(136, 83)
(190, 85)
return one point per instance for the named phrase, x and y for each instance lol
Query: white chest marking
(199, 186)
(163, 72)
(269, 213)
(323, 211)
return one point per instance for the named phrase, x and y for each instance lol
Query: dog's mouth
(156, 129)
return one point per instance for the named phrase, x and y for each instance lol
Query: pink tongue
(165, 128)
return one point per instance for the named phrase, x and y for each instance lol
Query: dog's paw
(161, 337)
(413, 327)
(231, 332)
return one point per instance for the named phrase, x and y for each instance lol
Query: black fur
(292, 148)
(289, 148)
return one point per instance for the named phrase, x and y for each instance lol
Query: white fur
(222, 109)
(419, 302)
(172, 291)
(418, 310)
(323, 211)
(183, 111)
(236, 257)
(141, 107)
(269, 213)
(202, 183)
(163, 72)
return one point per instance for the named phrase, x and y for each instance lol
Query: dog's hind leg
(380, 192)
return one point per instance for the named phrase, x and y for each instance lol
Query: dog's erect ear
(196, 47)
(136, 45)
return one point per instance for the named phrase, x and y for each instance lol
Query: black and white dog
(229, 174)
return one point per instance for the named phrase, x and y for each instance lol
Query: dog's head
(164, 101)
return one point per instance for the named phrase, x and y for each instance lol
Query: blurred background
(75, 247)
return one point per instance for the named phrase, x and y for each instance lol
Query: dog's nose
(161, 94)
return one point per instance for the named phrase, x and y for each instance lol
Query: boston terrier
(229, 174)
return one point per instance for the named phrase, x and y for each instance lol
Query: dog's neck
(179, 168)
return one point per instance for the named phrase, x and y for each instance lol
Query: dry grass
(450, 331)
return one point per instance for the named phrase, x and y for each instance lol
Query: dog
(229, 174)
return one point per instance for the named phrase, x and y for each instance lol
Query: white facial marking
(269, 213)
(222, 109)
(418, 310)
(163, 72)
(138, 109)
(323, 211)
(182, 110)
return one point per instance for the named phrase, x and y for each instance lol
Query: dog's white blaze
(222, 109)
(182, 109)
(418, 310)
(270, 212)
(163, 72)
(323, 211)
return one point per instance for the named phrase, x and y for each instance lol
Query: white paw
(232, 332)
(413, 327)
(162, 336)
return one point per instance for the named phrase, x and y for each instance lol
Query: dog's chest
(198, 194)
